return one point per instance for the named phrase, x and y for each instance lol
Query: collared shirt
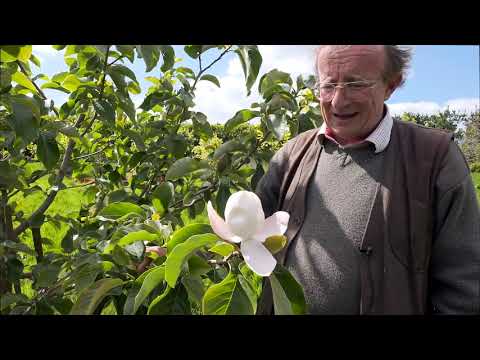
(380, 137)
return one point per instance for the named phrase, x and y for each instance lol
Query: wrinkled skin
(351, 120)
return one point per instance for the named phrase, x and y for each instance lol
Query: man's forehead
(355, 58)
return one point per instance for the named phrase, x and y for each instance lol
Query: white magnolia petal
(244, 214)
(219, 226)
(257, 257)
(276, 224)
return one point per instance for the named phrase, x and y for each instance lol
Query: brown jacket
(396, 247)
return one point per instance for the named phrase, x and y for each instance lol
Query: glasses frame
(343, 85)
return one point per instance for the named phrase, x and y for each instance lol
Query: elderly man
(383, 213)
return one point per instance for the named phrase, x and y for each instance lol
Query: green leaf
(125, 71)
(194, 51)
(21, 247)
(223, 195)
(270, 83)
(211, 78)
(195, 288)
(91, 297)
(163, 194)
(71, 83)
(45, 275)
(24, 118)
(181, 235)
(10, 53)
(184, 167)
(104, 109)
(23, 80)
(240, 117)
(127, 50)
(150, 54)
(171, 302)
(54, 86)
(176, 145)
(259, 172)
(8, 174)
(277, 123)
(178, 256)
(5, 78)
(130, 238)
(227, 298)
(197, 266)
(47, 150)
(168, 55)
(228, 147)
(120, 209)
(59, 47)
(275, 243)
(223, 249)
(8, 299)
(35, 60)
(251, 61)
(137, 138)
(288, 296)
(152, 280)
(127, 106)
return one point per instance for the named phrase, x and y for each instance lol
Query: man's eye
(327, 87)
(357, 85)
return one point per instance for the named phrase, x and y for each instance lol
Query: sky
(440, 77)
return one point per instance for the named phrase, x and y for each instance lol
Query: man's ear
(392, 86)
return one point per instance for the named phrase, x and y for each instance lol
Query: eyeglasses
(355, 89)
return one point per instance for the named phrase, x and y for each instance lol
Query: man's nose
(339, 99)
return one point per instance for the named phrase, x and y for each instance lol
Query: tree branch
(202, 71)
(22, 69)
(37, 243)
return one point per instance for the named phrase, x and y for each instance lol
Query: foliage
(89, 187)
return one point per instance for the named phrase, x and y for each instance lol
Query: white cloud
(220, 104)
(429, 107)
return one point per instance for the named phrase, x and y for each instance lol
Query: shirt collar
(380, 137)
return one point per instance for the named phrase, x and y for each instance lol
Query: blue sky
(440, 76)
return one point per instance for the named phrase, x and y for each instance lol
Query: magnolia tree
(110, 209)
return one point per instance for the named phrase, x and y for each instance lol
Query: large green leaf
(125, 71)
(8, 174)
(181, 235)
(228, 147)
(91, 297)
(251, 61)
(223, 249)
(127, 105)
(21, 79)
(168, 55)
(150, 54)
(288, 296)
(271, 83)
(45, 275)
(184, 167)
(130, 238)
(152, 280)
(21, 247)
(178, 256)
(24, 119)
(119, 209)
(171, 302)
(10, 53)
(239, 118)
(104, 109)
(194, 51)
(71, 83)
(127, 51)
(47, 150)
(227, 298)
(211, 78)
(162, 196)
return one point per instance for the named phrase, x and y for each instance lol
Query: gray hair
(397, 60)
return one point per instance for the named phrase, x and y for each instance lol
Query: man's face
(353, 116)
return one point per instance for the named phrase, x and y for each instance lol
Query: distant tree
(471, 141)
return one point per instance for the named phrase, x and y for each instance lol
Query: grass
(476, 183)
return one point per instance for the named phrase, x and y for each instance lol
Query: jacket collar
(380, 137)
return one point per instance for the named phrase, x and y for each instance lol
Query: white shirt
(380, 137)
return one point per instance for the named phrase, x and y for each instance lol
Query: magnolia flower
(245, 223)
